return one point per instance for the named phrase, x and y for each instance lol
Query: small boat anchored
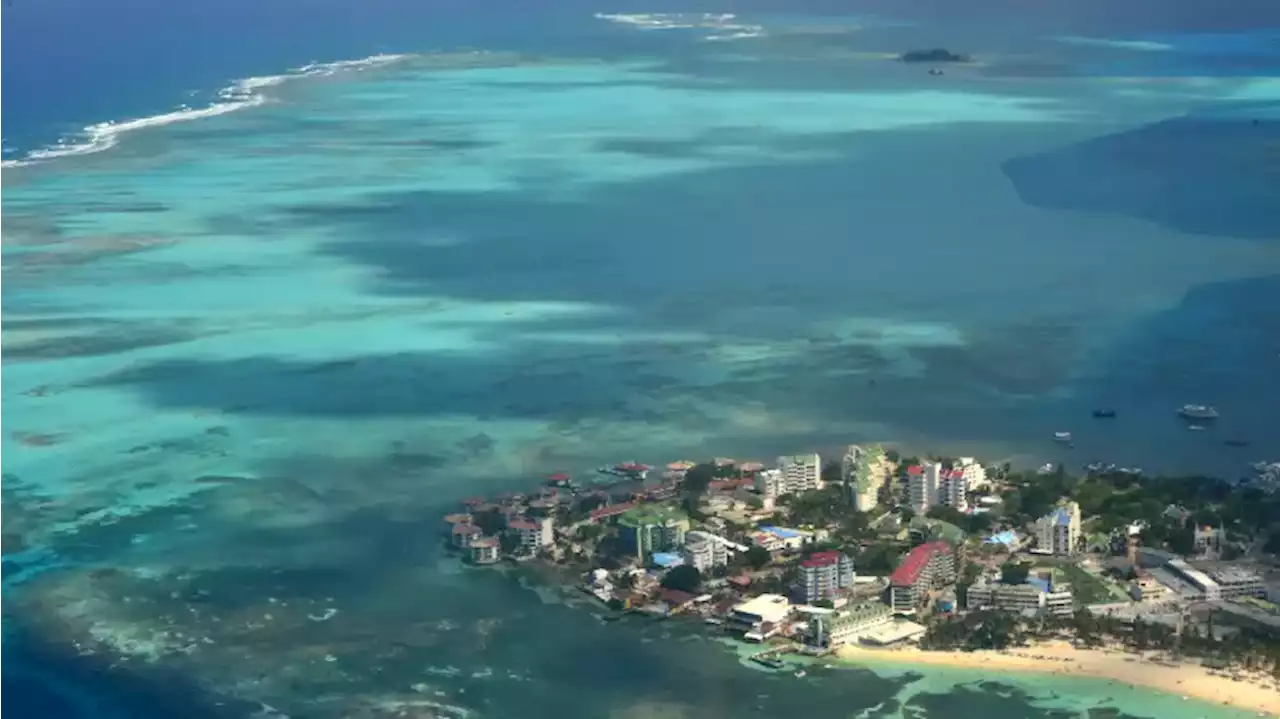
(1104, 413)
(1198, 411)
(1195, 427)
(1064, 437)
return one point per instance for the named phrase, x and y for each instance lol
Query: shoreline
(1060, 658)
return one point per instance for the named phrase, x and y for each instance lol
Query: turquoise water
(256, 355)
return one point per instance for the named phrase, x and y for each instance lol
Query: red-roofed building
(825, 575)
(559, 479)
(675, 599)
(926, 567)
(463, 534)
(534, 533)
(599, 515)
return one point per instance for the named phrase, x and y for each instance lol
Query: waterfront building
(603, 514)
(926, 567)
(464, 534)
(830, 629)
(535, 534)
(1041, 596)
(759, 618)
(975, 475)
(484, 550)
(826, 575)
(1059, 531)
(800, 473)
(647, 529)
(1234, 583)
(865, 472)
(1146, 589)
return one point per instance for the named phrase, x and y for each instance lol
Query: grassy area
(1087, 588)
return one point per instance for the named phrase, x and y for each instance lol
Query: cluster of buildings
(1058, 532)
(793, 475)
(932, 484)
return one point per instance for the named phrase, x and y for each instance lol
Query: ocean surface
(284, 281)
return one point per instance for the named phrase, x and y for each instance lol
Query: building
(1198, 579)
(759, 618)
(835, 628)
(464, 534)
(929, 485)
(825, 575)
(770, 485)
(1146, 589)
(923, 482)
(1036, 595)
(926, 567)
(800, 473)
(781, 539)
(647, 529)
(975, 475)
(1059, 531)
(1207, 539)
(705, 551)
(484, 550)
(1234, 583)
(865, 472)
(535, 534)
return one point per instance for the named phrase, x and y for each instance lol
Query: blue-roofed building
(1008, 538)
(667, 560)
(777, 539)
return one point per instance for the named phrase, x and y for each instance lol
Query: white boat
(1062, 436)
(1196, 427)
(1198, 411)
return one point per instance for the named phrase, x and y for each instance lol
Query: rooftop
(769, 607)
(917, 559)
(612, 511)
(915, 470)
(781, 532)
(822, 559)
(466, 528)
(652, 514)
(524, 525)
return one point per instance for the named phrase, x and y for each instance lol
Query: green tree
(757, 557)
(1014, 572)
(698, 479)
(491, 522)
(683, 578)
(509, 542)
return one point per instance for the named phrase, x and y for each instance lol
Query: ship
(630, 470)
(1104, 413)
(1062, 436)
(1198, 411)
(1236, 442)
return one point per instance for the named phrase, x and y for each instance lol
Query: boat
(800, 674)
(1196, 427)
(1236, 442)
(1198, 411)
(1062, 436)
(1104, 413)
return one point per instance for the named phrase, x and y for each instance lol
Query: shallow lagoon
(279, 342)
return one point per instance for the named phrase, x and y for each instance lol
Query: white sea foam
(724, 26)
(241, 94)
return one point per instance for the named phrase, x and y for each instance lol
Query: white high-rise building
(800, 473)
(769, 484)
(1058, 532)
(924, 482)
(704, 551)
(954, 491)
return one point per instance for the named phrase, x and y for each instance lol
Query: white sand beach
(1256, 692)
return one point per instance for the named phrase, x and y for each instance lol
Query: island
(935, 560)
(934, 55)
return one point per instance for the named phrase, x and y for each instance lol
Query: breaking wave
(241, 94)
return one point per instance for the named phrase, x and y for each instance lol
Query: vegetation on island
(936, 54)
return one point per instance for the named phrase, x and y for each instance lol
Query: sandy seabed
(1255, 693)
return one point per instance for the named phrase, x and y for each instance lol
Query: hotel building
(835, 628)
(704, 551)
(800, 473)
(646, 529)
(759, 618)
(535, 534)
(928, 566)
(826, 575)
